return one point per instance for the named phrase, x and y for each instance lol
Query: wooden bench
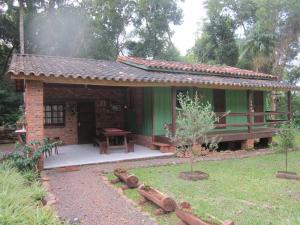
(164, 147)
(102, 145)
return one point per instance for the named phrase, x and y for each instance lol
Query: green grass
(243, 190)
(20, 197)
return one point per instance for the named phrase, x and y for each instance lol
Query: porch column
(250, 109)
(173, 109)
(289, 105)
(249, 143)
(34, 110)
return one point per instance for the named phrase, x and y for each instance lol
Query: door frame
(92, 102)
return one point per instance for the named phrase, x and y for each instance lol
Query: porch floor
(73, 155)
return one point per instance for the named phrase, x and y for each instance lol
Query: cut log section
(167, 204)
(130, 180)
(287, 175)
(189, 219)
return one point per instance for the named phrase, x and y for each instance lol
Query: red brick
(68, 133)
(34, 110)
(248, 144)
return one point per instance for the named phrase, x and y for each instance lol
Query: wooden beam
(250, 109)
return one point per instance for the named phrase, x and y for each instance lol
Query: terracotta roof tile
(162, 65)
(52, 66)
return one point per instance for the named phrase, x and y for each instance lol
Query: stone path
(85, 195)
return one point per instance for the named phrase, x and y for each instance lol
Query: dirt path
(85, 195)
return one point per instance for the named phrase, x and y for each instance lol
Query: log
(190, 219)
(158, 198)
(130, 180)
(228, 222)
(116, 180)
(180, 223)
(287, 175)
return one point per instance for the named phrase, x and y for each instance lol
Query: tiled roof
(101, 70)
(162, 65)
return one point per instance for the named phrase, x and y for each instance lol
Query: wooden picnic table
(115, 132)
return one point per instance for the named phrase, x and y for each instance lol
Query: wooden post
(250, 109)
(174, 114)
(289, 105)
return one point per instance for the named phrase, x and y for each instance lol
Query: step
(160, 144)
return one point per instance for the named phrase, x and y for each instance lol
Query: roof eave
(128, 83)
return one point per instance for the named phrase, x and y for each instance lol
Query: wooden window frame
(52, 111)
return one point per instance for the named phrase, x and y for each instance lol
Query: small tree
(286, 140)
(194, 121)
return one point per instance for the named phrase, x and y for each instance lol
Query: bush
(25, 157)
(19, 200)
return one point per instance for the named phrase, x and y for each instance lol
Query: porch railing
(251, 119)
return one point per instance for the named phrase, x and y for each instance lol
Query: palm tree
(259, 45)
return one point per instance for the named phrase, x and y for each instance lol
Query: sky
(185, 34)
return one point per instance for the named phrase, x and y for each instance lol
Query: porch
(84, 154)
(85, 111)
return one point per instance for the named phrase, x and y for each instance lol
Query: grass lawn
(243, 190)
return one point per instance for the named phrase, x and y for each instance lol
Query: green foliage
(9, 104)
(292, 75)
(217, 43)
(19, 200)
(296, 109)
(258, 46)
(30, 175)
(152, 22)
(267, 32)
(286, 138)
(25, 157)
(194, 121)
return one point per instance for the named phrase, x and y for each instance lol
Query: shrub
(19, 200)
(25, 157)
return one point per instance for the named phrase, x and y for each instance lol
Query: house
(74, 98)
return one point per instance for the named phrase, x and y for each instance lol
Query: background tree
(257, 49)
(217, 44)
(152, 20)
(267, 31)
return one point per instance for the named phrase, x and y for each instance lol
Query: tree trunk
(21, 26)
(191, 159)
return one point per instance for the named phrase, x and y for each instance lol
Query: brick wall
(104, 115)
(67, 133)
(34, 110)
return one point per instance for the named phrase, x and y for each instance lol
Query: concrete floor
(71, 155)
